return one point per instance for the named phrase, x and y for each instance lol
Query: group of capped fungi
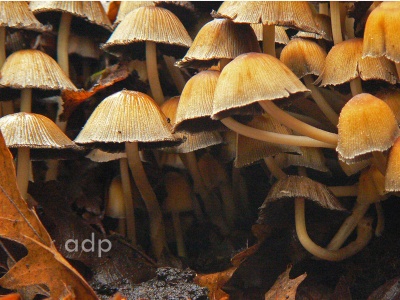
(194, 130)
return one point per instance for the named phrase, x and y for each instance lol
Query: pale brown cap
(249, 150)
(392, 176)
(344, 62)
(310, 157)
(127, 6)
(149, 23)
(303, 57)
(294, 14)
(392, 98)
(16, 14)
(281, 36)
(219, 38)
(366, 124)
(381, 34)
(292, 187)
(192, 141)
(91, 12)
(196, 104)
(254, 77)
(179, 193)
(324, 23)
(127, 116)
(38, 133)
(34, 69)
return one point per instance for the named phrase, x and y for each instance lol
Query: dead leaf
(214, 282)
(105, 78)
(284, 288)
(43, 264)
(243, 255)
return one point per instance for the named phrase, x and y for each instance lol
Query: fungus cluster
(286, 85)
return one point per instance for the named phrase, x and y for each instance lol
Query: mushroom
(126, 120)
(145, 27)
(115, 205)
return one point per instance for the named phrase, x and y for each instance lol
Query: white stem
(298, 126)
(273, 167)
(128, 201)
(320, 100)
(355, 86)
(175, 73)
(26, 100)
(273, 137)
(344, 191)
(152, 72)
(336, 22)
(157, 229)
(23, 165)
(62, 42)
(364, 235)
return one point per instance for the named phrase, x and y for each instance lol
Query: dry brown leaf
(214, 282)
(108, 77)
(43, 264)
(284, 288)
(241, 256)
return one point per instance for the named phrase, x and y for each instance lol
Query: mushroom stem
(152, 72)
(210, 201)
(180, 243)
(26, 100)
(274, 168)
(269, 39)
(348, 225)
(129, 208)
(62, 41)
(23, 171)
(379, 161)
(336, 22)
(157, 230)
(273, 137)
(320, 100)
(307, 119)
(121, 227)
(2, 45)
(298, 126)
(364, 235)
(175, 73)
(323, 8)
(356, 86)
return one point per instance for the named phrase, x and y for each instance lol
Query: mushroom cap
(196, 104)
(249, 150)
(192, 141)
(127, 6)
(392, 98)
(381, 34)
(294, 14)
(281, 36)
(127, 116)
(253, 77)
(310, 157)
(16, 14)
(293, 187)
(219, 38)
(179, 193)
(91, 12)
(303, 57)
(40, 134)
(98, 155)
(366, 124)
(33, 69)
(344, 62)
(324, 23)
(392, 176)
(148, 23)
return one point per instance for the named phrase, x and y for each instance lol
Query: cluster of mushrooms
(283, 104)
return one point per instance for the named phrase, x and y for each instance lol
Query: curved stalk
(273, 137)
(62, 42)
(129, 208)
(364, 235)
(298, 126)
(320, 100)
(157, 229)
(356, 86)
(152, 72)
(180, 243)
(274, 168)
(175, 73)
(344, 191)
